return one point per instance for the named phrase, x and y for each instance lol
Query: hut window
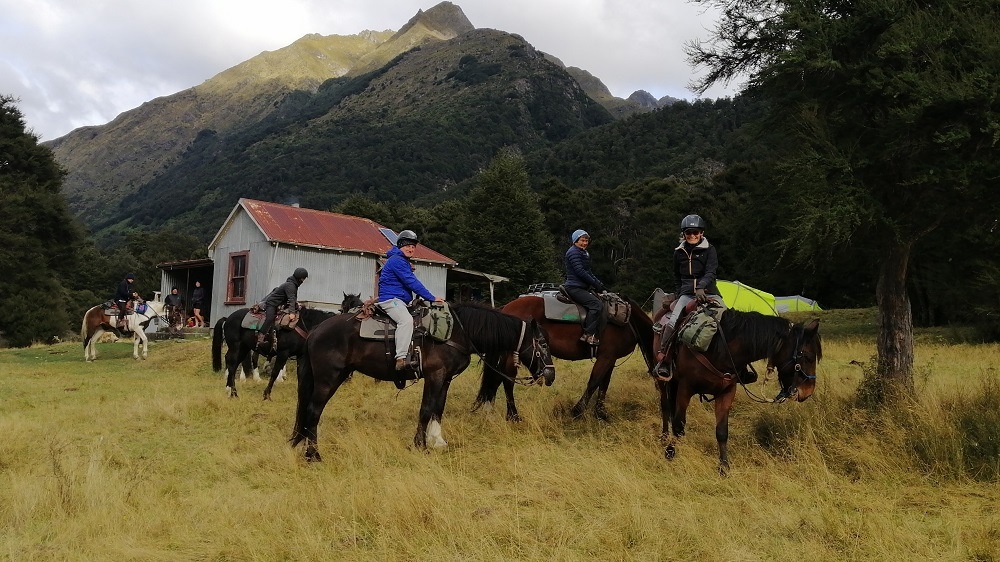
(237, 286)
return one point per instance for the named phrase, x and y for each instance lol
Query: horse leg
(139, 339)
(508, 391)
(234, 357)
(279, 364)
(254, 361)
(681, 398)
(324, 386)
(601, 371)
(666, 408)
(89, 344)
(429, 422)
(490, 382)
(723, 404)
(435, 438)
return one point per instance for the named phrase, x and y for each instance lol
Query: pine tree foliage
(502, 229)
(39, 239)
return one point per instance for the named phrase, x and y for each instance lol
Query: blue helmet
(577, 234)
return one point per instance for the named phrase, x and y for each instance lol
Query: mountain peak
(446, 20)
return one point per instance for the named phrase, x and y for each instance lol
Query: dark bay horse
(744, 337)
(96, 321)
(564, 341)
(335, 350)
(241, 343)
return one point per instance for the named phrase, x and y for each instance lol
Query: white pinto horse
(96, 322)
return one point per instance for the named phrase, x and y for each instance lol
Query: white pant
(682, 301)
(396, 309)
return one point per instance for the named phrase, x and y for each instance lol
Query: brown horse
(744, 337)
(335, 350)
(564, 340)
(96, 321)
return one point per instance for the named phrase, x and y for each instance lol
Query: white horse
(96, 322)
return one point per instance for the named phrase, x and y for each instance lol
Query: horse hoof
(669, 452)
(576, 412)
(602, 414)
(312, 455)
(514, 418)
(724, 468)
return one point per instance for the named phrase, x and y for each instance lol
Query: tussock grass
(123, 459)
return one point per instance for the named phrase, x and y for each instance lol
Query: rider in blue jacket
(396, 286)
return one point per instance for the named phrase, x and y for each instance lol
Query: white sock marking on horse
(433, 435)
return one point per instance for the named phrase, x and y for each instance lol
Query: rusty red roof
(309, 227)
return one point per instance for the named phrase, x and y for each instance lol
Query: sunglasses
(692, 232)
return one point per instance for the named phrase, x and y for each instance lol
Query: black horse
(335, 350)
(241, 343)
(744, 337)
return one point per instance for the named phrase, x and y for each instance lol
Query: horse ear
(812, 326)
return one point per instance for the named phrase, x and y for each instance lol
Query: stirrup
(662, 372)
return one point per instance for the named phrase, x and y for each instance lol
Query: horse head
(535, 353)
(351, 301)
(796, 361)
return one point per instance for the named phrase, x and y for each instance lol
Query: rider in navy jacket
(580, 280)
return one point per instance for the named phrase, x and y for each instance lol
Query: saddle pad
(252, 321)
(372, 329)
(560, 311)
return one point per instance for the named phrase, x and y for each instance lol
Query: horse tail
(306, 384)
(217, 338)
(83, 329)
(643, 328)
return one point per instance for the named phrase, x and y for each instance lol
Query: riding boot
(261, 342)
(661, 342)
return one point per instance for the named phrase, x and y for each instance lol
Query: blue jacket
(397, 280)
(578, 273)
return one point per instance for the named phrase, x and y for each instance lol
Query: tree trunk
(894, 374)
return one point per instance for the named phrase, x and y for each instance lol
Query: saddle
(434, 321)
(561, 308)
(254, 319)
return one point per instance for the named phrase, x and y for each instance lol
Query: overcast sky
(82, 62)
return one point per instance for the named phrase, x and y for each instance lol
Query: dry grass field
(148, 460)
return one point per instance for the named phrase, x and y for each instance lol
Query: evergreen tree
(892, 128)
(39, 239)
(502, 229)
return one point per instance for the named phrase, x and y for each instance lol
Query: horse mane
(760, 334)
(488, 329)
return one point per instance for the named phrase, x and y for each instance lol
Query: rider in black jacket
(285, 294)
(124, 293)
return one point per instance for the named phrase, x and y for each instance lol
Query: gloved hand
(700, 295)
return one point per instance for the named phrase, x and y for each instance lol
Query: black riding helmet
(300, 274)
(407, 238)
(692, 221)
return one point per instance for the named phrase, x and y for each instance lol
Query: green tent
(794, 303)
(737, 296)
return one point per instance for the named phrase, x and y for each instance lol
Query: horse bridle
(796, 358)
(536, 353)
